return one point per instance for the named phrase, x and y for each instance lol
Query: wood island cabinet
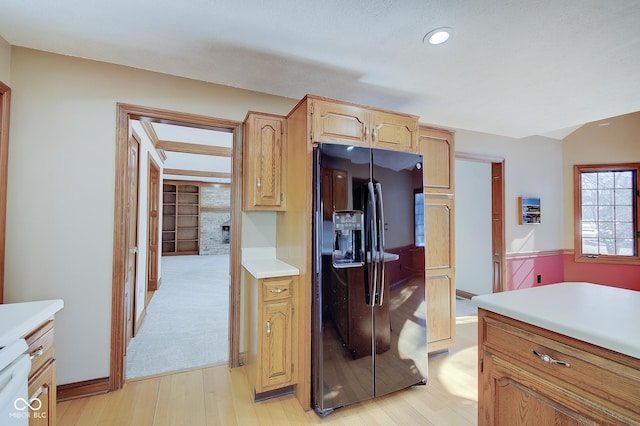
(42, 384)
(532, 376)
(437, 149)
(342, 123)
(271, 347)
(263, 150)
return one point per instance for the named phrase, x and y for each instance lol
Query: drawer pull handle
(268, 328)
(277, 290)
(547, 358)
(37, 353)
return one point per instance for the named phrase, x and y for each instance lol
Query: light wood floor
(218, 395)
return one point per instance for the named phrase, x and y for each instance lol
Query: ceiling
(190, 153)
(514, 68)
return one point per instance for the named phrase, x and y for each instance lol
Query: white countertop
(601, 315)
(18, 319)
(262, 263)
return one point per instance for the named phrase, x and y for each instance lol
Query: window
(418, 209)
(606, 211)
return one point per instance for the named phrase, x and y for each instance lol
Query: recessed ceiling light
(438, 35)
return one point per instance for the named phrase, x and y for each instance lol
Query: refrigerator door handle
(372, 249)
(380, 209)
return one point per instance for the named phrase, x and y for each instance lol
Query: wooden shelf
(180, 218)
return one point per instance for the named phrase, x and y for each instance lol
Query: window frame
(577, 211)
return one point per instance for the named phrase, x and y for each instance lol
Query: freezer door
(400, 311)
(343, 320)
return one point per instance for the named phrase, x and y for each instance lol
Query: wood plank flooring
(217, 395)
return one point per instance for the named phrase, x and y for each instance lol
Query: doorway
(480, 248)
(126, 113)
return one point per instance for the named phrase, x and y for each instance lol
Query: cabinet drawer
(40, 344)
(277, 288)
(608, 376)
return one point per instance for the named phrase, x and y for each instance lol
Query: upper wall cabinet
(263, 159)
(341, 123)
(436, 146)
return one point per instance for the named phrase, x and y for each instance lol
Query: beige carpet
(187, 320)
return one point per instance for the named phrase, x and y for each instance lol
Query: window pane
(607, 246)
(624, 213)
(589, 213)
(606, 213)
(624, 197)
(624, 229)
(589, 197)
(605, 197)
(624, 179)
(605, 180)
(624, 247)
(605, 230)
(589, 180)
(590, 245)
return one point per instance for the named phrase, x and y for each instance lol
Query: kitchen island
(566, 353)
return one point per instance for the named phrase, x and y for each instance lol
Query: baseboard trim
(81, 389)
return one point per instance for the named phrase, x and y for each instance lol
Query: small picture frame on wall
(529, 211)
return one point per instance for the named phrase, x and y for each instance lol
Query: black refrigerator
(369, 334)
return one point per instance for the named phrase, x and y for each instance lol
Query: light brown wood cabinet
(263, 151)
(591, 385)
(180, 218)
(342, 123)
(437, 149)
(271, 349)
(42, 384)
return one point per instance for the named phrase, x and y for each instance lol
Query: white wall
(5, 62)
(474, 272)
(533, 168)
(61, 185)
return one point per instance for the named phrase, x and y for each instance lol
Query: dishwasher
(14, 389)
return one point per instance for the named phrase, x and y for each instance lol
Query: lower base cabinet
(42, 377)
(271, 346)
(520, 382)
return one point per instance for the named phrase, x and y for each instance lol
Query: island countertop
(597, 314)
(18, 319)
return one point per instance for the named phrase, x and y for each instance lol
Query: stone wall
(215, 211)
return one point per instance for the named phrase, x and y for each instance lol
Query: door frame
(125, 113)
(5, 101)
(498, 247)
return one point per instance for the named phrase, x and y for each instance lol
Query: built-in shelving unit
(180, 218)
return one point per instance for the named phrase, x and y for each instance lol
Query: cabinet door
(393, 131)
(436, 147)
(339, 124)
(264, 150)
(439, 255)
(510, 395)
(277, 344)
(42, 388)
